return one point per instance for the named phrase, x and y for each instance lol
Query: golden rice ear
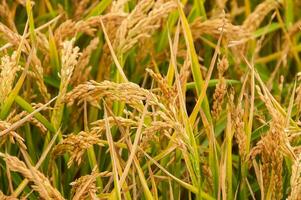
(69, 60)
(140, 23)
(130, 93)
(11, 135)
(81, 70)
(271, 149)
(99, 125)
(295, 180)
(41, 183)
(7, 197)
(7, 14)
(168, 92)
(76, 145)
(11, 36)
(70, 56)
(215, 26)
(16, 40)
(13, 118)
(85, 187)
(253, 21)
(237, 113)
(9, 68)
(220, 89)
(81, 6)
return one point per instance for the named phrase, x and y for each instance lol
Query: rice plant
(150, 99)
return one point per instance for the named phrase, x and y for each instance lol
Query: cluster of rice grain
(85, 187)
(76, 145)
(216, 26)
(142, 21)
(41, 183)
(93, 92)
(81, 71)
(12, 135)
(221, 88)
(8, 69)
(295, 180)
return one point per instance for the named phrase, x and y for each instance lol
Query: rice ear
(41, 183)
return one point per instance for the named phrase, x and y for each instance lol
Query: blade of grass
(289, 13)
(26, 118)
(129, 144)
(116, 61)
(229, 135)
(195, 66)
(53, 53)
(33, 36)
(189, 187)
(26, 106)
(114, 159)
(184, 184)
(194, 155)
(143, 181)
(212, 83)
(134, 148)
(91, 152)
(154, 186)
(202, 95)
(99, 8)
